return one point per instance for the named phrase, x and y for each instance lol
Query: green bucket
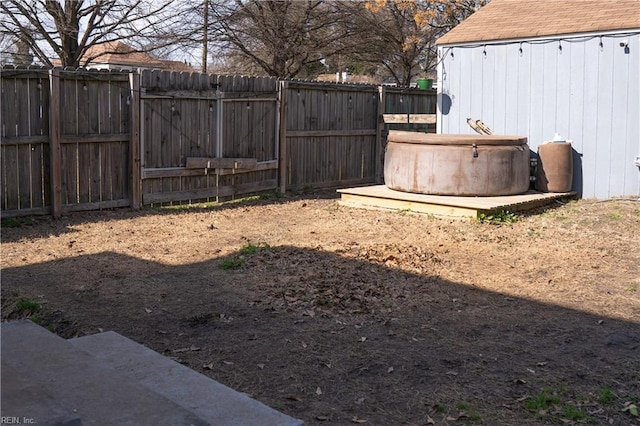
(425, 83)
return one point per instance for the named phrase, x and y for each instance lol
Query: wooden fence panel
(95, 110)
(330, 134)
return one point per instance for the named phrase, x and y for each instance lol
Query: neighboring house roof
(514, 19)
(117, 53)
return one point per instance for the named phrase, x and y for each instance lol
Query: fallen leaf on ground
(318, 391)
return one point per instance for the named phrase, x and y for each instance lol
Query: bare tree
(281, 37)
(67, 29)
(14, 51)
(403, 42)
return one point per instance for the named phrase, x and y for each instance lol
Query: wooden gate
(207, 137)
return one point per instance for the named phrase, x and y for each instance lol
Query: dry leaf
(208, 366)
(304, 345)
(362, 339)
(322, 418)
(357, 420)
(430, 421)
(294, 398)
(194, 348)
(318, 391)
(148, 310)
(261, 366)
(390, 370)
(227, 362)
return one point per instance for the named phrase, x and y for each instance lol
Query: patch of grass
(213, 204)
(440, 408)
(469, 411)
(570, 412)
(606, 396)
(614, 216)
(231, 263)
(498, 218)
(543, 401)
(15, 222)
(404, 211)
(27, 307)
(631, 289)
(235, 262)
(251, 248)
(549, 404)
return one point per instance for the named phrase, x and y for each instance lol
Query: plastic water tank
(555, 167)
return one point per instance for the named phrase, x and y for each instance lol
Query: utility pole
(205, 32)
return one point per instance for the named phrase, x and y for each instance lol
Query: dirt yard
(344, 316)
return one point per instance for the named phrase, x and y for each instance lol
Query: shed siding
(586, 93)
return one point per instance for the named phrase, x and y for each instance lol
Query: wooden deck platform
(381, 197)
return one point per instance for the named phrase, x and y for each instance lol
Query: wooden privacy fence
(82, 140)
(66, 141)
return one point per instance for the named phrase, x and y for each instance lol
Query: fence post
(54, 143)
(379, 157)
(283, 93)
(134, 141)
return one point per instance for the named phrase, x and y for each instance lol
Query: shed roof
(514, 19)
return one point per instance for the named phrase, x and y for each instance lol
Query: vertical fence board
(94, 165)
(10, 162)
(35, 151)
(8, 107)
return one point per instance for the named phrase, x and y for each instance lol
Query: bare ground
(345, 316)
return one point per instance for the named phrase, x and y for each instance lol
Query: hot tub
(462, 165)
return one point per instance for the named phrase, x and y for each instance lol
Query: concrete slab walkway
(107, 379)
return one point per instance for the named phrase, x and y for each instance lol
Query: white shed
(536, 68)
